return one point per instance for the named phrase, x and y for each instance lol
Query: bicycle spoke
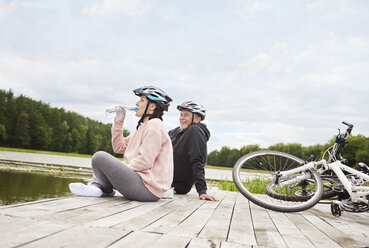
(292, 193)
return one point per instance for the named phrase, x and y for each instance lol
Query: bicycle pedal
(336, 209)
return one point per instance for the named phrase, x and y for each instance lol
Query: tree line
(357, 150)
(26, 123)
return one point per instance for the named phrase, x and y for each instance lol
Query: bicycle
(285, 183)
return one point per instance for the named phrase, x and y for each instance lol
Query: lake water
(19, 186)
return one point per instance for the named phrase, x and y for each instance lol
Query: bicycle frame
(357, 193)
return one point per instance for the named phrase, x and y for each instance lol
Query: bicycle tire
(332, 188)
(266, 164)
(328, 191)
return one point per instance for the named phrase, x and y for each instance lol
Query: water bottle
(119, 111)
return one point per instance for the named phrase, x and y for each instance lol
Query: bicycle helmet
(154, 94)
(194, 107)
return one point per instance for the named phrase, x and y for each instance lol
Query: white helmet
(193, 107)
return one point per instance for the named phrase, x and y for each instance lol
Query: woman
(147, 170)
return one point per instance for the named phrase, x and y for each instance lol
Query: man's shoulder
(197, 129)
(174, 130)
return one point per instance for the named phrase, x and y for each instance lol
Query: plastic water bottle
(118, 111)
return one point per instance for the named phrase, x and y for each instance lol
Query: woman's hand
(120, 115)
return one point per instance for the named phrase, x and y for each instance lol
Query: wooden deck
(184, 221)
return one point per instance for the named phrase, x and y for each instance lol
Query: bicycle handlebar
(341, 141)
(349, 128)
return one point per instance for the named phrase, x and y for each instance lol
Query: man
(189, 142)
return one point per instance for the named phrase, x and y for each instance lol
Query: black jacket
(190, 153)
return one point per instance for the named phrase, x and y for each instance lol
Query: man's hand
(207, 197)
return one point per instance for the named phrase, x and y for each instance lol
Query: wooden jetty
(184, 221)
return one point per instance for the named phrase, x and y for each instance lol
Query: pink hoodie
(149, 152)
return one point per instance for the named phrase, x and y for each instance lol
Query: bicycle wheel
(256, 173)
(331, 188)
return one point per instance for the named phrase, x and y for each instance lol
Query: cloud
(339, 75)
(249, 8)
(215, 50)
(171, 15)
(12, 5)
(356, 41)
(117, 7)
(279, 47)
(260, 82)
(314, 6)
(261, 63)
(252, 6)
(59, 77)
(300, 57)
(339, 5)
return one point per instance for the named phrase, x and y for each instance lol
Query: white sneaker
(85, 190)
(103, 194)
(168, 194)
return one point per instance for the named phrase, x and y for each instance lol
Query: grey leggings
(110, 173)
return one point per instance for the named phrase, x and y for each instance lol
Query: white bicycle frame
(357, 193)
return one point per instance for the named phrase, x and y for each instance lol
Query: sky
(266, 71)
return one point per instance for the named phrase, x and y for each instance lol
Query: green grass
(231, 168)
(217, 167)
(256, 186)
(45, 152)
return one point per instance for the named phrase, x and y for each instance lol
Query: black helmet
(154, 94)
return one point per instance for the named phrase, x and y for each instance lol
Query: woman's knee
(98, 158)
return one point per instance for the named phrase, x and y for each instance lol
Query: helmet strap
(193, 117)
(143, 116)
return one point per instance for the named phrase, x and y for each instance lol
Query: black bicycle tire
(327, 194)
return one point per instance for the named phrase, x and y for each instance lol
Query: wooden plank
(218, 225)
(148, 217)
(116, 219)
(343, 239)
(318, 238)
(170, 241)
(184, 221)
(90, 213)
(137, 239)
(200, 242)
(196, 221)
(32, 202)
(81, 237)
(18, 231)
(290, 233)
(356, 224)
(265, 231)
(170, 221)
(241, 229)
(48, 207)
(225, 244)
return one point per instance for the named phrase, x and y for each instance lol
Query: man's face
(185, 118)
